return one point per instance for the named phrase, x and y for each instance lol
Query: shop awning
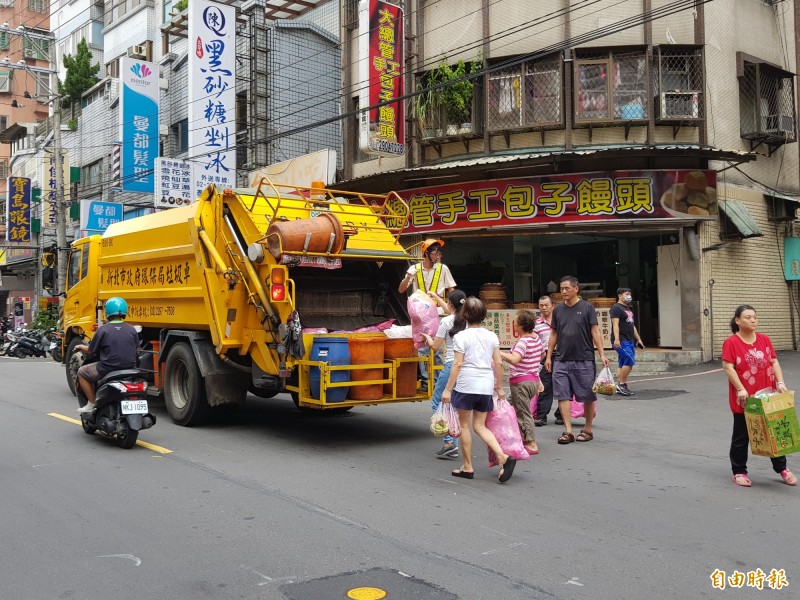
(13, 133)
(776, 196)
(737, 214)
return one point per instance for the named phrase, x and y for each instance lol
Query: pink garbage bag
(576, 409)
(502, 422)
(424, 317)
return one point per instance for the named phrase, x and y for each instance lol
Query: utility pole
(62, 251)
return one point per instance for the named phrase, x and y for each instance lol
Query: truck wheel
(74, 362)
(184, 391)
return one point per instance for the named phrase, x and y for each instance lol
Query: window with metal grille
(3, 40)
(766, 102)
(36, 48)
(5, 82)
(3, 168)
(610, 86)
(6, 2)
(38, 5)
(678, 83)
(528, 95)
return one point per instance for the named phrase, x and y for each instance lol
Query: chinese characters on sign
(50, 206)
(173, 183)
(758, 579)
(139, 127)
(177, 274)
(18, 210)
(605, 196)
(381, 128)
(96, 216)
(500, 321)
(212, 95)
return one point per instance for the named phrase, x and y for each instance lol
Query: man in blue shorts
(575, 330)
(624, 337)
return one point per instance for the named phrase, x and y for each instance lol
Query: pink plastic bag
(576, 409)
(424, 317)
(502, 422)
(452, 420)
(534, 405)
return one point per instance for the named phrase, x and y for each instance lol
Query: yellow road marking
(366, 593)
(153, 447)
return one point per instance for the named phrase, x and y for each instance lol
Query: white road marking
(135, 559)
(573, 581)
(503, 548)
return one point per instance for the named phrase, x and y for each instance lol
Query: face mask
(628, 298)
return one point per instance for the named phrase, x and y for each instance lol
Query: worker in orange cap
(431, 275)
(434, 278)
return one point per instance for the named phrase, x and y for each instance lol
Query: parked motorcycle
(8, 340)
(56, 341)
(30, 343)
(121, 408)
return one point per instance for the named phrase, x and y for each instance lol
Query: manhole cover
(374, 584)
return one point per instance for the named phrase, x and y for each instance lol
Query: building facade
(647, 144)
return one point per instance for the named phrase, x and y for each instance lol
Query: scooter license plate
(134, 407)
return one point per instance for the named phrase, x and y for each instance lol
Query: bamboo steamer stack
(603, 302)
(493, 296)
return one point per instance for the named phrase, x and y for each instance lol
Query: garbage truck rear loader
(225, 287)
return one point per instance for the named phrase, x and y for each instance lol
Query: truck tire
(184, 390)
(73, 363)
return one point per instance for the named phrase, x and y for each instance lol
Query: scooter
(31, 343)
(121, 407)
(56, 340)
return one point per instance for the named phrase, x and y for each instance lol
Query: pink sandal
(788, 477)
(743, 480)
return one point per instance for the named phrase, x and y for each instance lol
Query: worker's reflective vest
(437, 271)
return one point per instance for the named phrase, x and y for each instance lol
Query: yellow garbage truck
(227, 289)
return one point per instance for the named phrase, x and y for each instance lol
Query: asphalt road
(276, 505)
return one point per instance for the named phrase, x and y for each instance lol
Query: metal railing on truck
(366, 226)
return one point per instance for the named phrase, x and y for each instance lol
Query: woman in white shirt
(477, 368)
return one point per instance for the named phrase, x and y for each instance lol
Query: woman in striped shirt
(525, 361)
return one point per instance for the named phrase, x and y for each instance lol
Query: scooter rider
(115, 345)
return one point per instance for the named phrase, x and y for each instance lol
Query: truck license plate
(134, 407)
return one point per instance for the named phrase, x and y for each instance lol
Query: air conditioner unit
(29, 53)
(782, 125)
(139, 51)
(680, 105)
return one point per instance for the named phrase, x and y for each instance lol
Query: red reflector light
(278, 293)
(135, 387)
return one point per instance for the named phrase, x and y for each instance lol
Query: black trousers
(739, 444)
(546, 397)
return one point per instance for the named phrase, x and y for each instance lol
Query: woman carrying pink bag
(477, 368)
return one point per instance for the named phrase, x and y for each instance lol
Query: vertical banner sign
(50, 191)
(212, 94)
(381, 129)
(18, 210)
(173, 183)
(139, 127)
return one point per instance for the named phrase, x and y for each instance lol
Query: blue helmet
(116, 307)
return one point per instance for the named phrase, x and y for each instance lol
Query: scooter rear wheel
(127, 440)
(88, 427)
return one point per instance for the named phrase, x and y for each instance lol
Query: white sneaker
(88, 408)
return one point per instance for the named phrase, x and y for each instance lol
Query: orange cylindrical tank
(320, 234)
(406, 372)
(366, 350)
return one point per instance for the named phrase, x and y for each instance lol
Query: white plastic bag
(604, 383)
(440, 426)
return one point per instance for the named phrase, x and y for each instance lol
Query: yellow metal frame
(303, 388)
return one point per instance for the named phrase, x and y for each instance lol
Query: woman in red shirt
(750, 363)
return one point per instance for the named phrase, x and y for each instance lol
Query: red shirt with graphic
(753, 365)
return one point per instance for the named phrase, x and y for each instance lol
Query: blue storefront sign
(96, 216)
(139, 127)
